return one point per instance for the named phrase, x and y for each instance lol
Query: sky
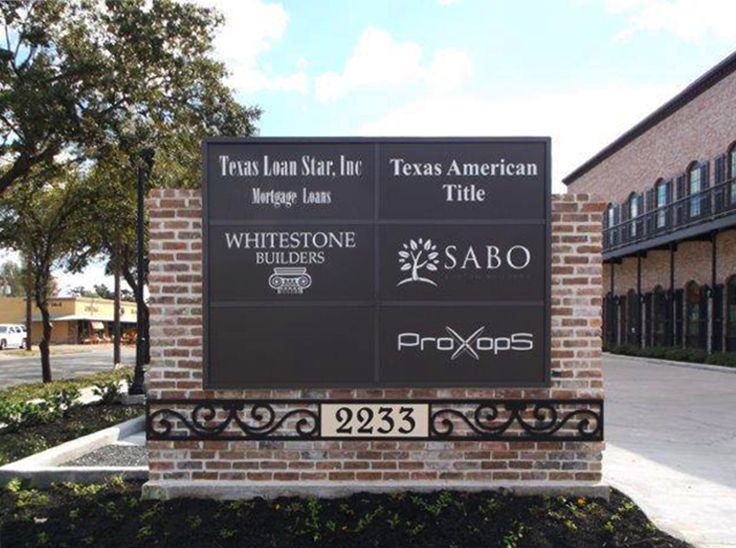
(579, 71)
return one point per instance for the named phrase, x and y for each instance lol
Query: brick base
(233, 490)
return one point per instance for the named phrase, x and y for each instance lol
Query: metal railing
(708, 204)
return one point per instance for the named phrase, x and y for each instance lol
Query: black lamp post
(144, 168)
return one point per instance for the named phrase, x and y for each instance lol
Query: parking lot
(79, 361)
(670, 441)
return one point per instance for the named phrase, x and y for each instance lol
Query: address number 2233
(369, 420)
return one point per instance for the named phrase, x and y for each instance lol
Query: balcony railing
(709, 204)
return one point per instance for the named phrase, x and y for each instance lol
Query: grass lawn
(114, 515)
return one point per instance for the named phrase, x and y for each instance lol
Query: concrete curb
(233, 490)
(44, 468)
(687, 365)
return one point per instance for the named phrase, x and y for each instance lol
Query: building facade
(75, 320)
(669, 236)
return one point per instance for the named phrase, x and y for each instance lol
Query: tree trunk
(116, 319)
(41, 279)
(29, 305)
(44, 344)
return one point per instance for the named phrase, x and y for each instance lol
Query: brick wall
(701, 130)
(176, 372)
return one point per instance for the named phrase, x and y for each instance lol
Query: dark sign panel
(479, 344)
(462, 180)
(291, 263)
(376, 262)
(474, 262)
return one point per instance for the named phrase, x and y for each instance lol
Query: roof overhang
(80, 317)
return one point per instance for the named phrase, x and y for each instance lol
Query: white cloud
(380, 62)
(250, 29)
(580, 121)
(93, 275)
(449, 69)
(689, 20)
(448, 2)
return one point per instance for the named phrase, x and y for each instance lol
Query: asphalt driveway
(671, 445)
(17, 370)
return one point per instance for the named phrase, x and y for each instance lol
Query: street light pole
(144, 168)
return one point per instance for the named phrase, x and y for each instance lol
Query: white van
(12, 335)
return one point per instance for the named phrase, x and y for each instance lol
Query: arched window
(659, 316)
(731, 172)
(662, 199)
(694, 315)
(731, 314)
(694, 186)
(611, 219)
(633, 205)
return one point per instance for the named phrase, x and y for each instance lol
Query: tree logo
(415, 256)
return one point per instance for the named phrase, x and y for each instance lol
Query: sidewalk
(671, 446)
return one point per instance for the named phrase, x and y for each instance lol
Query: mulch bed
(114, 515)
(79, 421)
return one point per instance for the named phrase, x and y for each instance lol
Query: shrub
(109, 392)
(677, 354)
(659, 352)
(64, 399)
(11, 413)
(624, 350)
(647, 352)
(694, 355)
(722, 358)
(31, 391)
(17, 414)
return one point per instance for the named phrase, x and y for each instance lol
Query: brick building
(670, 227)
(74, 319)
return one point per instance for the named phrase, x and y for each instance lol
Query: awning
(81, 317)
(98, 326)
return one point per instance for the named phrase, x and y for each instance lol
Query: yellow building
(74, 319)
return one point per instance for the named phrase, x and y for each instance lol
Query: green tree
(79, 77)
(177, 164)
(47, 221)
(12, 280)
(101, 81)
(98, 291)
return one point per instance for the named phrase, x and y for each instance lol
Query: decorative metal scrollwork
(468, 420)
(239, 419)
(505, 420)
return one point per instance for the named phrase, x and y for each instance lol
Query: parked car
(12, 335)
